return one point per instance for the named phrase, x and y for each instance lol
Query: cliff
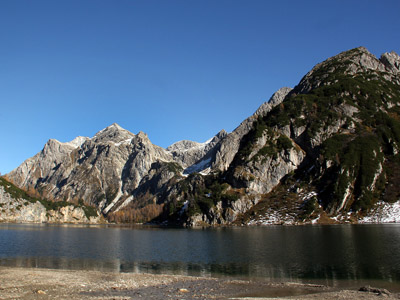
(17, 206)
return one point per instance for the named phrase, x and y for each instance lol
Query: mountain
(109, 170)
(324, 151)
(332, 143)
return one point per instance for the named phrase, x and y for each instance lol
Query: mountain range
(325, 151)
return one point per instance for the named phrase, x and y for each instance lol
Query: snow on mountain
(383, 213)
(191, 154)
(77, 142)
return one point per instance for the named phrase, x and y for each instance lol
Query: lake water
(327, 254)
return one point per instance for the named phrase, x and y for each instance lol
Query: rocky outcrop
(391, 61)
(229, 146)
(220, 214)
(21, 210)
(196, 157)
(350, 63)
(260, 176)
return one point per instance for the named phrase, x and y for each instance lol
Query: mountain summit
(325, 151)
(113, 133)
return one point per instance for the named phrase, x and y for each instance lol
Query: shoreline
(219, 226)
(38, 283)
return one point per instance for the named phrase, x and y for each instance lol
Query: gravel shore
(25, 283)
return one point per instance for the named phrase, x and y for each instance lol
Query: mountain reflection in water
(342, 252)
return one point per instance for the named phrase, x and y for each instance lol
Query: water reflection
(330, 253)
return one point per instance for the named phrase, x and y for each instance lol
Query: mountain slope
(328, 151)
(344, 115)
(101, 171)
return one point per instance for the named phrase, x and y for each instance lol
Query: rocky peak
(113, 133)
(141, 137)
(183, 145)
(229, 145)
(51, 145)
(189, 153)
(279, 96)
(362, 60)
(54, 147)
(391, 61)
(219, 136)
(351, 62)
(186, 145)
(275, 99)
(141, 141)
(77, 142)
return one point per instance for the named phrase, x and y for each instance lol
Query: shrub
(284, 143)
(174, 167)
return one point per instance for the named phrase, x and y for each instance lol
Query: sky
(174, 69)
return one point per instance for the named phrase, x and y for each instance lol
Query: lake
(324, 254)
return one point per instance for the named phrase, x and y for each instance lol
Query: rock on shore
(19, 283)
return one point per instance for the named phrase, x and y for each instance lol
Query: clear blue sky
(175, 69)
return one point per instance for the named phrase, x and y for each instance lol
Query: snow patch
(272, 217)
(345, 196)
(77, 142)
(127, 141)
(309, 195)
(184, 207)
(107, 209)
(180, 146)
(205, 171)
(315, 221)
(383, 213)
(378, 172)
(125, 203)
(200, 166)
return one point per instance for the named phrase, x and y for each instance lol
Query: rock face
(14, 207)
(350, 63)
(325, 150)
(196, 157)
(100, 171)
(229, 146)
(391, 61)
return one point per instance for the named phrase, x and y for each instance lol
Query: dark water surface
(328, 254)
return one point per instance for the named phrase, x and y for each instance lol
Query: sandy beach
(27, 283)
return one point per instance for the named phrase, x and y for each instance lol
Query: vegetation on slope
(362, 143)
(349, 126)
(17, 193)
